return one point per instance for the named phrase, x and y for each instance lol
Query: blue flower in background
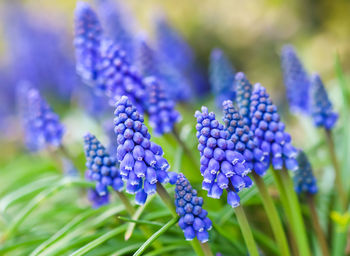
(321, 107)
(116, 20)
(221, 75)
(304, 180)
(193, 218)
(269, 131)
(221, 166)
(88, 36)
(101, 168)
(150, 63)
(97, 200)
(142, 164)
(243, 139)
(243, 92)
(41, 124)
(161, 109)
(117, 77)
(296, 80)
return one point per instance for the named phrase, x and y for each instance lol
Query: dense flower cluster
(97, 200)
(243, 93)
(117, 77)
(269, 131)
(193, 218)
(41, 123)
(243, 139)
(296, 80)
(221, 75)
(161, 109)
(150, 63)
(88, 35)
(321, 107)
(304, 180)
(101, 168)
(221, 166)
(142, 164)
(116, 21)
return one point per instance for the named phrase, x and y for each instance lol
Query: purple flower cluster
(304, 180)
(221, 75)
(42, 125)
(142, 164)
(150, 63)
(161, 109)
(243, 139)
(321, 107)
(97, 200)
(269, 131)
(296, 80)
(88, 36)
(116, 21)
(117, 77)
(193, 218)
(101, 168)
(244, 91)
(221, 166)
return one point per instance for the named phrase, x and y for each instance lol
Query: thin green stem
(246, 231)
(297, 219)
(272, 215)
(128, 206)
(316, 223)
(206, 249)
(338, 180)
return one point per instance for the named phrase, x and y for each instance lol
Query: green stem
(297, 220)
(338, 180)
(129, 208)
(272, 215)
(246, 231)
(206, 249)
(164, 195)
(316, 223)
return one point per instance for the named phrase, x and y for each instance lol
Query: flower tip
(240, 76)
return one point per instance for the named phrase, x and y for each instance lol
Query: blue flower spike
(161, 109)
(243, 92)
(193, 218)
(142, 164)
(304, 180)
(87, 41)
(222, 167)
(222, 76)
(269, 131)
(117, 77)
(243, 139)
(101, 168)
(96, 200)
(296, 80)
(43, 128)
(321, 107)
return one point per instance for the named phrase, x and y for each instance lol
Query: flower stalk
(272, 215)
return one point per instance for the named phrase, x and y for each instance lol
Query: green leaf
(93, 244)
(155, 236)
(146, 222)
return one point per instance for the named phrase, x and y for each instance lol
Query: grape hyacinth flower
(296, 80)
(222, 76)
(243, 139)
(42, 125)
(269, 131)
(96, 200)
(304, 180)
(150, 63)
(142, 164)
(193, 218)
(116, 20)
(161, 109)
(101, 168)
(221, 166)
(117, 77)
(88, 36)
(243, 92)
(321, 107)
